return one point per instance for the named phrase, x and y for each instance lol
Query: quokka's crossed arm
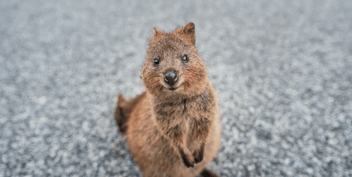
(174, 128)
(200, 129)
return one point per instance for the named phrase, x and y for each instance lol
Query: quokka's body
(173, 128)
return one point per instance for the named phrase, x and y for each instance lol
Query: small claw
(188, 164)
(187, 158)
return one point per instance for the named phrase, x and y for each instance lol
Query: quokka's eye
(156, 61)
(184, 58)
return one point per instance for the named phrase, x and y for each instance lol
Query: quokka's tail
(120, 116)
(123, 110)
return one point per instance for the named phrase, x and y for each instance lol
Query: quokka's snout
(171, 77)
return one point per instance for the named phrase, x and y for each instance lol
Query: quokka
(173, 128)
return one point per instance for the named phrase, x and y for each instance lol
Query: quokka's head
(172, 64)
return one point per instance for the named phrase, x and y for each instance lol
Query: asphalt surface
(283, 70)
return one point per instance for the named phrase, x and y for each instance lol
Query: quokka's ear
(189, 29)
(156, 32)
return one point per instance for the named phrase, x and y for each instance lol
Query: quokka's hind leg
(208, 173)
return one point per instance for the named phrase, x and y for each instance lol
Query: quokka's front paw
(198, 157)
(189, 162)
(198, 154)
(187, 157)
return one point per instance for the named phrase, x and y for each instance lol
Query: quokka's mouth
(173, 88)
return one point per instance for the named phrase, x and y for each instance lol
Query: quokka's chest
(186, 109)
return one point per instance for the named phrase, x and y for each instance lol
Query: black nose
(170, 77)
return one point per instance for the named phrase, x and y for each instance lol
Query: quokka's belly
(154, 154)
(156, 157)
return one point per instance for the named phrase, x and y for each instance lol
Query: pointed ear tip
(155, 31)
(190, 24)
(189, 27)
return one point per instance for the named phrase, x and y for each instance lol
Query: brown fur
(172, 132)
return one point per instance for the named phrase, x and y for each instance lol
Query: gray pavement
(283, 70)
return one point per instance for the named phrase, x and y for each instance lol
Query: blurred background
(282, 69)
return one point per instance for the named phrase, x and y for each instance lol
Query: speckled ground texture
(283, 70)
